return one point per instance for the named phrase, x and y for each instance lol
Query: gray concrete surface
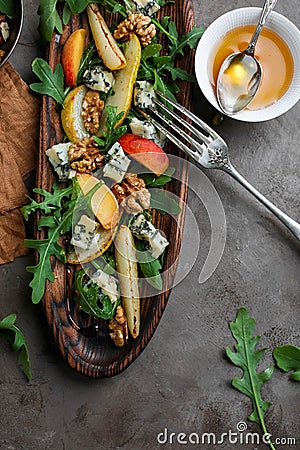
(182, 380)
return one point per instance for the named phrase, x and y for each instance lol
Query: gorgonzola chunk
(143, 95)
(107, 283)
(99, 79)
(145, 129)
(58, 157)
(146, 7)
(118, 163)
(145, 230)
(83, 234)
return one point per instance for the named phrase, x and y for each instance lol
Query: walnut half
(136, 24)
(92, 107)
(85, 156)
(118, 327)
(132, 194)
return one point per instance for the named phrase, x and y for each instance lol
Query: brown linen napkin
(19, 122)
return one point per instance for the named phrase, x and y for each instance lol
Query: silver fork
(206, 148)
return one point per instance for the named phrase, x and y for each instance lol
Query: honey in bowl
(273, 54)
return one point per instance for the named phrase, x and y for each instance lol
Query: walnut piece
(118, 327)
(132, 194)
(136, 24)
(92, 108)
(85, 156)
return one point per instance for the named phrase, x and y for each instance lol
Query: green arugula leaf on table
(287, 358)
(246, 357)
(7, 8)
(16, 339)
(150, 267)
(52, 83)
(90, 299)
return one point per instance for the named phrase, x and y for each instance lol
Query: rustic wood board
(97, 356)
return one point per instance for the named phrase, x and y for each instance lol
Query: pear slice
(126, 261)
(107, 47)
(104, 203)
(124, 84)
(71, 118)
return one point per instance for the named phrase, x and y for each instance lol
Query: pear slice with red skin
(71, 56)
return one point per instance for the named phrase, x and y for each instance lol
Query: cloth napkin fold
(19, 125)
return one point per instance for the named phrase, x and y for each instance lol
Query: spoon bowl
(241, 78)
(241, 73)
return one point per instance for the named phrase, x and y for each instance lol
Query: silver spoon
(241, 73)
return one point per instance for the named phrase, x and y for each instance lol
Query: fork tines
(161, 119)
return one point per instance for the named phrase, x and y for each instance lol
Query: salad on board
(7, 11)
(111, 167)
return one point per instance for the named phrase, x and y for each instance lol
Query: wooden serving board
(97, 356)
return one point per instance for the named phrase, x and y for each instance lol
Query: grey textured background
(182, 379)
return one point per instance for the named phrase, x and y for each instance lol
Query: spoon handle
(267, 8)
(291, 224)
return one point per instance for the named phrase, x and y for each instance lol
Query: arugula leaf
(51, 201)
(16, 339)
(112, 134)
(52, 83)
(150, 267)
(7, 8)
(191, 39)
(77, 6)
(46, 248)
(176, 72)
(163, 202)
(66, 14)
(64, 205)
(153, 181)
(90, 298)
(287, 358)
(49, 20)
(150, 51)
(155, 68)
(247, 358)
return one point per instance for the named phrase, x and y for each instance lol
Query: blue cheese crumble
(143, 229)
(58, 157)
(143, 95)
(146, 129)
(107, 283)
(117, 164)
(99, 79)
(84, 233)
(146, 7)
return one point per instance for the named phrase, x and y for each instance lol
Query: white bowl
(214, 34)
